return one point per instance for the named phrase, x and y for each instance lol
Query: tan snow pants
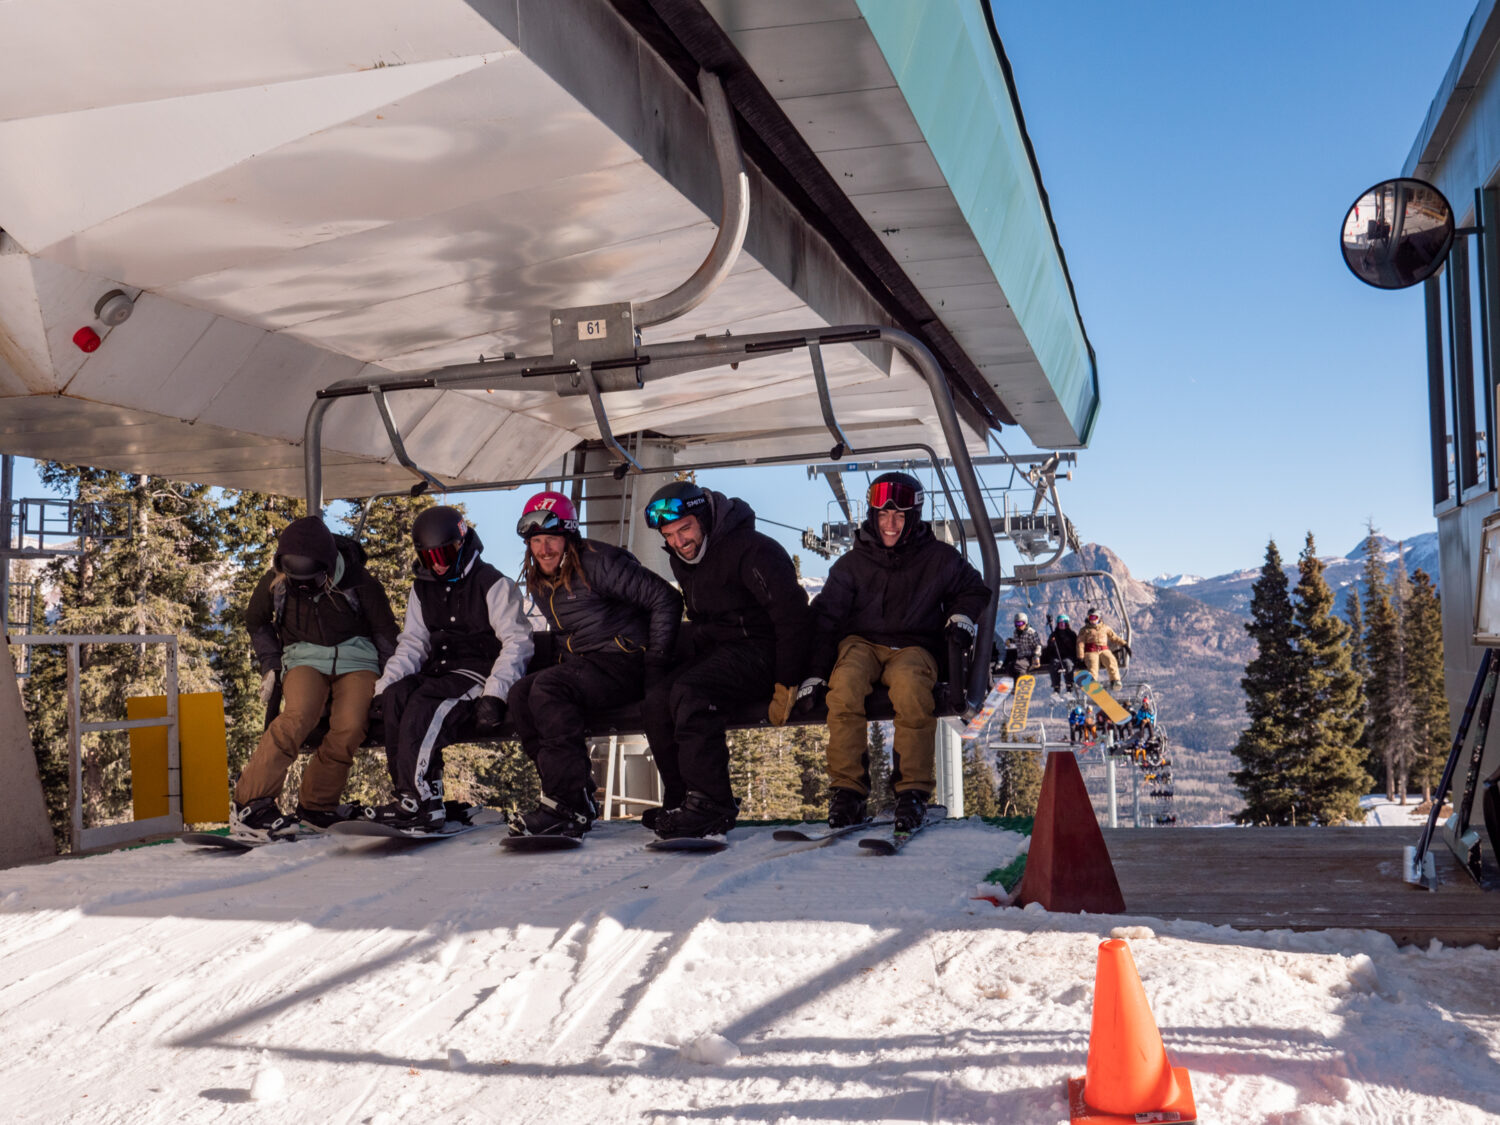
(910, 673)
(304, 690)
(1093, 661)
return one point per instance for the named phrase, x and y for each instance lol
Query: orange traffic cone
(1129, 1078)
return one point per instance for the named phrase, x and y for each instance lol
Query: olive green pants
(910, 673)
(304, 690)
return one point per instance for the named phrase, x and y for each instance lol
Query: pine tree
(1402, 713)
(1383, 682)
(1354, 617)
(980, 784)
(1323, 761)
(1423, 631)
(1268, 682)
(1018, 782)
(882, 797)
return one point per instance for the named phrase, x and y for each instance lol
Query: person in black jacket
(1061, 652)
(746, 639)
(321, 626)
(608, 617)
(465, 643)
(884, 615)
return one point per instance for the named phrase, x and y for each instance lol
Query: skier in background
(1094, 648)
(465, 643)
(1076, 724)
(609, 620)
(1023, 648)
(1061, 652)
(885, 615)
(321, 625)
(745, 639)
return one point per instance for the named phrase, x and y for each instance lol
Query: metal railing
(110, 835)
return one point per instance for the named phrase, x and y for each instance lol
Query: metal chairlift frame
(597, 366)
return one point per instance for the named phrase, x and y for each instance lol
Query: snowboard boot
(553, 818)
(321, 820)
(260, 819)
(410, 813)
(911, 809)
(669, 801)
(845, 808)
(699, 816)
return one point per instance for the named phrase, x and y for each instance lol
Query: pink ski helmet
(547, 513)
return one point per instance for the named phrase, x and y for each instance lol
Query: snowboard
(1002, 688)
(540, 843)
(233, 843)
(690, 844)
(804, 836)
(1102, 699)
(893, 843)
(1020, 706)
(369, 828)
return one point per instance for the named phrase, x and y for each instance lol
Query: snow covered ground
(337, 982)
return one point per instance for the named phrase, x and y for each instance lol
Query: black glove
(960, 630)
(811, 693)
(489, 713)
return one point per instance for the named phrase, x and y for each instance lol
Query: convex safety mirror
(1397, 233)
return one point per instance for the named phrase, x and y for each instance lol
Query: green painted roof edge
(941, 53)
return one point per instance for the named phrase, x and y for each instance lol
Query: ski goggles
(659, 513)
(893, 494)
(541, 522)
(444, 556)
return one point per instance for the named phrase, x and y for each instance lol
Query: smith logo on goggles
(670, 510)
(893, 494)
(445, 556)
(542, 522)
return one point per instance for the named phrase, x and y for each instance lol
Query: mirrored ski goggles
(662, 512)
(540, 522)
(444, 556)
(893, 494)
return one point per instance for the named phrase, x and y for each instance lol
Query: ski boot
(845, 808)
(260, 819)
(553, 818)
(321, 820)
(911, 810)
(410, 813)
(699, 816)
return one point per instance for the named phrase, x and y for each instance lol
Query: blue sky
(1199, 159)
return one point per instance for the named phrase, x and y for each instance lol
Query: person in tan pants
(322, 628)
(888, 609)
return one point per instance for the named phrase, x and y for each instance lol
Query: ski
(803, 836)
(689, 844)
(987, 710)
(890, 845)
(540, 843)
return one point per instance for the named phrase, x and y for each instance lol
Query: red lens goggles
(893, 494)
(444, 556)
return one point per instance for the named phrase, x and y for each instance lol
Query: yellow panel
(204, 751)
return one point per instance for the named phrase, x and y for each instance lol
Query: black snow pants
(548, 709)
(423, 714)
(683, 715)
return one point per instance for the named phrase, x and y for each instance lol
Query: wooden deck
(1300, 879)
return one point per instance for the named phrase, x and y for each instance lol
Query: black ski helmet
(671, 502)
(306, 553)
(438, 535)
(901, 492)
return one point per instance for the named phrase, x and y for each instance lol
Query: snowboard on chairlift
(1003, 688)
(1020, 706)
(1102, 699)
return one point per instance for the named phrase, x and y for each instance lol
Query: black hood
(308, 537)
(726, 514)
(468, 554)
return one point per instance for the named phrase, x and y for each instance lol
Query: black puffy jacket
(620, 606)
(895, 596)
(745, 589)
(277, 617)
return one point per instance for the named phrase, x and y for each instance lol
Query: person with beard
(745, 639)
(885, 615)
(609, 619)
(465, 643)
(322, 628)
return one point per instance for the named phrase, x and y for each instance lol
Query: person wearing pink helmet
(609, 619)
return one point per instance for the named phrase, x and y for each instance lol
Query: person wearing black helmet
(1061, 652)
(608, 619)
(464, 645)
(885, 615)
(745, 639)
(322, 628)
